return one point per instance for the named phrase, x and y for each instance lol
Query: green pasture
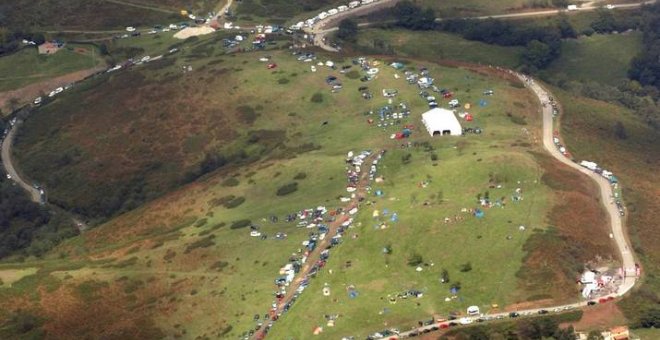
(603, 58)
(27, 66)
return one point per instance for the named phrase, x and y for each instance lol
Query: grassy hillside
(184, 264)
(589, 128)
(600, 58)
(95, 14)
(28, 66)
(436, 46)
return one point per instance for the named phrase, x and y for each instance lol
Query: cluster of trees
(347, 30)
(411, 16)
(27, 228)
(645, 67)
(10, 40)
(543, 44)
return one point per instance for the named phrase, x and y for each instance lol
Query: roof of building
(438, 119)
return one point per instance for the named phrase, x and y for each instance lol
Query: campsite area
(468, 204)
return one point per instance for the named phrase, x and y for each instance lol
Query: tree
(620, 130)
(537, 55)
(444, 276)
(594, 335)
(415, 260)
(348, 30)
(411, 16)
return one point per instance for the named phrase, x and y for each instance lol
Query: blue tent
(478, 213)
(395, 217)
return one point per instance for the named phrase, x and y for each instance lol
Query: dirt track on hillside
(28, 93)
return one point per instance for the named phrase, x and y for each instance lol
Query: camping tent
(441, 122)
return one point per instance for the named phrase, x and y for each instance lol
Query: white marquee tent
(441, 122)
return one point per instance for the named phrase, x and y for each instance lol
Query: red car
(602, 300)
(443, 326)
(271, 66)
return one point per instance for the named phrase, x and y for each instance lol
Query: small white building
(441, 122)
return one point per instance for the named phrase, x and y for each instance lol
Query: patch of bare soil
(600, 316)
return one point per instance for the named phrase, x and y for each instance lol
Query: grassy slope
(181, 293)
(436, 46)
(588, 127)
(600, 58)
(27, 66)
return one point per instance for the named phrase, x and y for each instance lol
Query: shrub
(201, 243)
(406, 158)
(283, 81)
(317, 98)
(287, 189)
(300, 175)
(201, 223)
(415, 260)
(466, 267)
(240, 224)
(235, 202)
(444, 276)
(353, 74)
(230, 182)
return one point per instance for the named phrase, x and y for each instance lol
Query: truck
(589, 165)
(353, 4)
(342, 8)
(332, 11)
(572, 7)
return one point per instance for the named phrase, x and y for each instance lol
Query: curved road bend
(7, 163)
(35, 195)
(315, 255)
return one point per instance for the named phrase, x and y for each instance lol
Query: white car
(173, 27)
(52, 94)
(37, 101)
(255, 233)
(59, 90)
(8, 176)
(130, 29)
(313, 68)
(609, 6)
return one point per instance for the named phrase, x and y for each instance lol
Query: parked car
(271, 66)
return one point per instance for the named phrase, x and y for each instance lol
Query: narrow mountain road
(10, 169)
(606, 194)
(7, 163)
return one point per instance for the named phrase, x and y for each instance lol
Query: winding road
(7, 163)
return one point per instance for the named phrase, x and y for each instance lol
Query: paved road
(314, 257)
(606, 194)
(7, 163)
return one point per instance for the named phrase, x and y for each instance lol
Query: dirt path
(28, 93)
(315, 255)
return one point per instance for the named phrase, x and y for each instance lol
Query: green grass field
(141, 256)
(26, 66)
(436, 46)
(600, 58)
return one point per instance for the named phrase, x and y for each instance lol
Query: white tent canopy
(441, 122)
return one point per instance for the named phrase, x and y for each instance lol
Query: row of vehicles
(329, 13)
